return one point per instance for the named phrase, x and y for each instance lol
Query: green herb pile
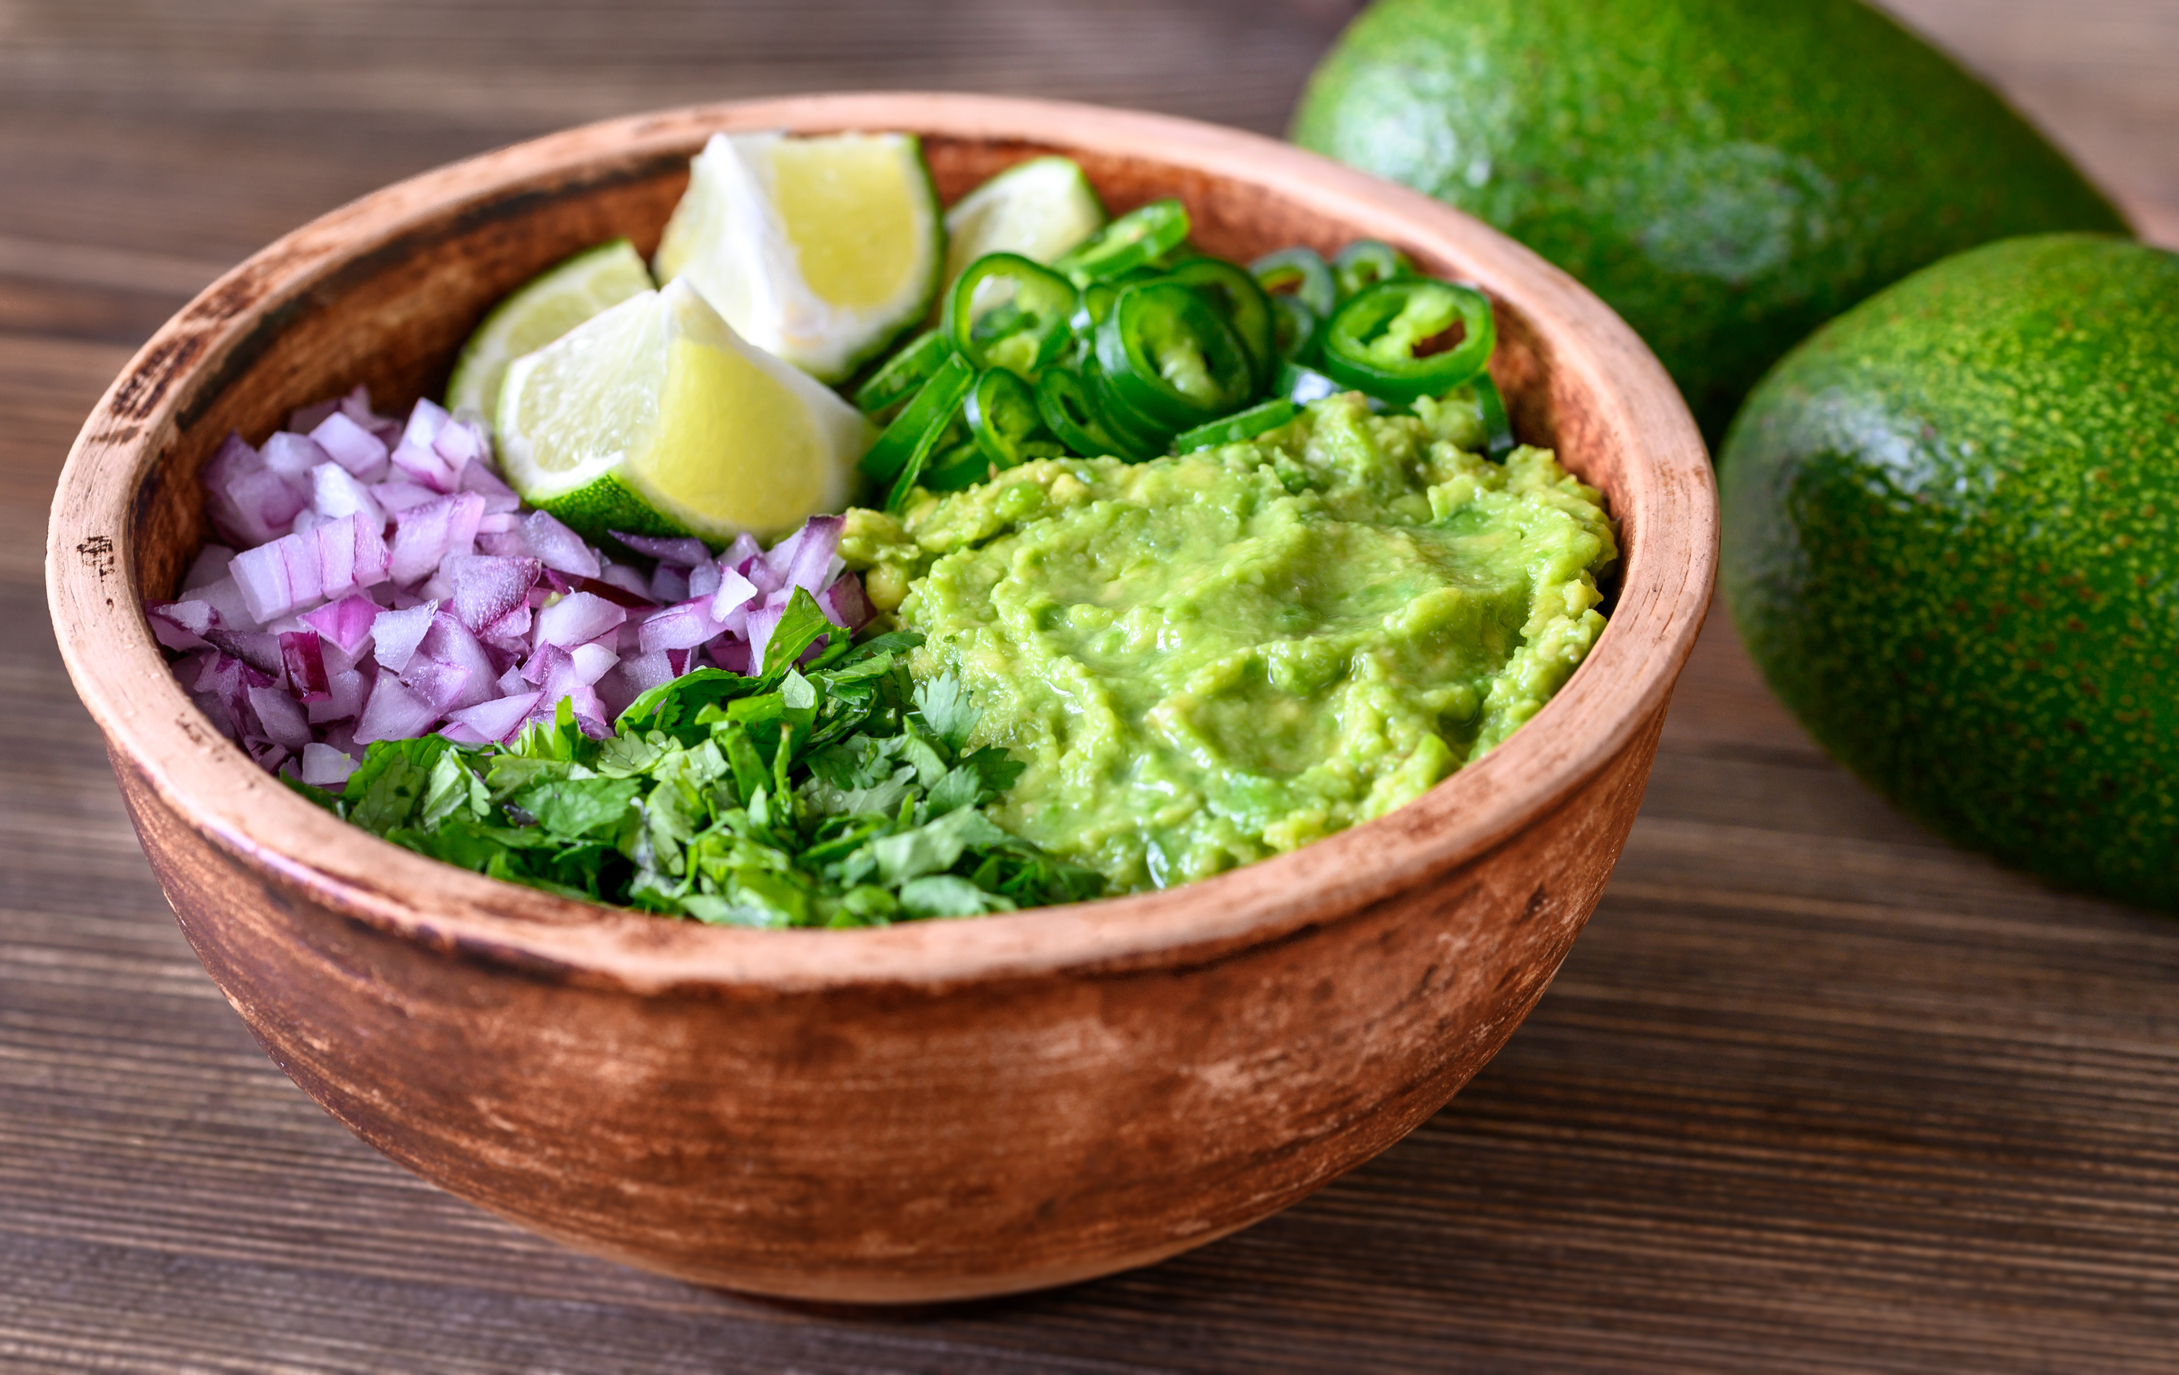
(840, 793)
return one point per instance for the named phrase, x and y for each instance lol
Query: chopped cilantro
(834, 793)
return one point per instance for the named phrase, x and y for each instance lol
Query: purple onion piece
(361, 453)
(681, 553)
(683, 626)
(326, 767)
(496, 720)
(397, 634)
(845, 604)
(577, 618)
(486, 588)
(304, 659)
(393, 713)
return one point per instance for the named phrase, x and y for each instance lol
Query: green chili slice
(1096, 305)
(1137, 435)
(1296, 330)
(1261, 418)
(1497, 429)
(1366, 262)
(1166, 355)
(1002, 414)
(904, 373)
(1379, 341)
(1004, 311)
(959, 467)
(901, 451)
(1131, 241)
(1066, 407)
(1243, 305)
(1300, 274)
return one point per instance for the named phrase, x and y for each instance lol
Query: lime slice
(657, 418)
(540, 311)
(1039, 209)
(820, 250)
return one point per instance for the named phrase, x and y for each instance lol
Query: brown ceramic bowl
(929, 1111)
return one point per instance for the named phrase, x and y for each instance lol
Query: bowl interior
(384, 291)
(394, 318)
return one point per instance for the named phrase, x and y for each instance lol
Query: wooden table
(1815, 1092)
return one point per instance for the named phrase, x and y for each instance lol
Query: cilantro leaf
(946, 710)
(801, 625)
(828, 790)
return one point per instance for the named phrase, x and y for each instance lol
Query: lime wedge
(1039, 209)
(657, 418)
(540, 311)
(819, 250)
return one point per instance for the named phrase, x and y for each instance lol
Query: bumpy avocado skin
(1952, 546)
(1726, 174)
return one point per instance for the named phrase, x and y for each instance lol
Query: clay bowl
(930, 1111)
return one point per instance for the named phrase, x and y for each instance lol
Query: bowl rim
(156, 734)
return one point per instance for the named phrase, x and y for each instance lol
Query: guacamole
(1207, 659)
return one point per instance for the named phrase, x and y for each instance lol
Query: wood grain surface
(1813, 1093)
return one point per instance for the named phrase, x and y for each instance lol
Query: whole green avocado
(1726, 174)
(1952, 546)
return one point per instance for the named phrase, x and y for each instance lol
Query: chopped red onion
(249, 503)
(486, 588)
(325, 767)
(735, 656)
(393, 713)
(495, 721)
(347, 689)
(320, 636)
(763, 621)
(426, 419)
(254, 648)
(356, 405)
(592, 662)
(576, 618)
(292, 455)
(845, 605)
(335, 492)
(628, 580)
(426, 536)
(362, 454)
(735, 592)
(558, 547)
(761, 575)
(462, 442)
(280, 717)
(346, 623)
(744, 548)
(301, 653)
(511, 632)
(424, 467)
(448, 641)
(398, 494)
(683, 626)
(669, 584)
(180, 625)
(397, 634)
(679, 553)
(704, 578)
(437, 684)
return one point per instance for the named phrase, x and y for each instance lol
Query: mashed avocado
(1208, 659)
